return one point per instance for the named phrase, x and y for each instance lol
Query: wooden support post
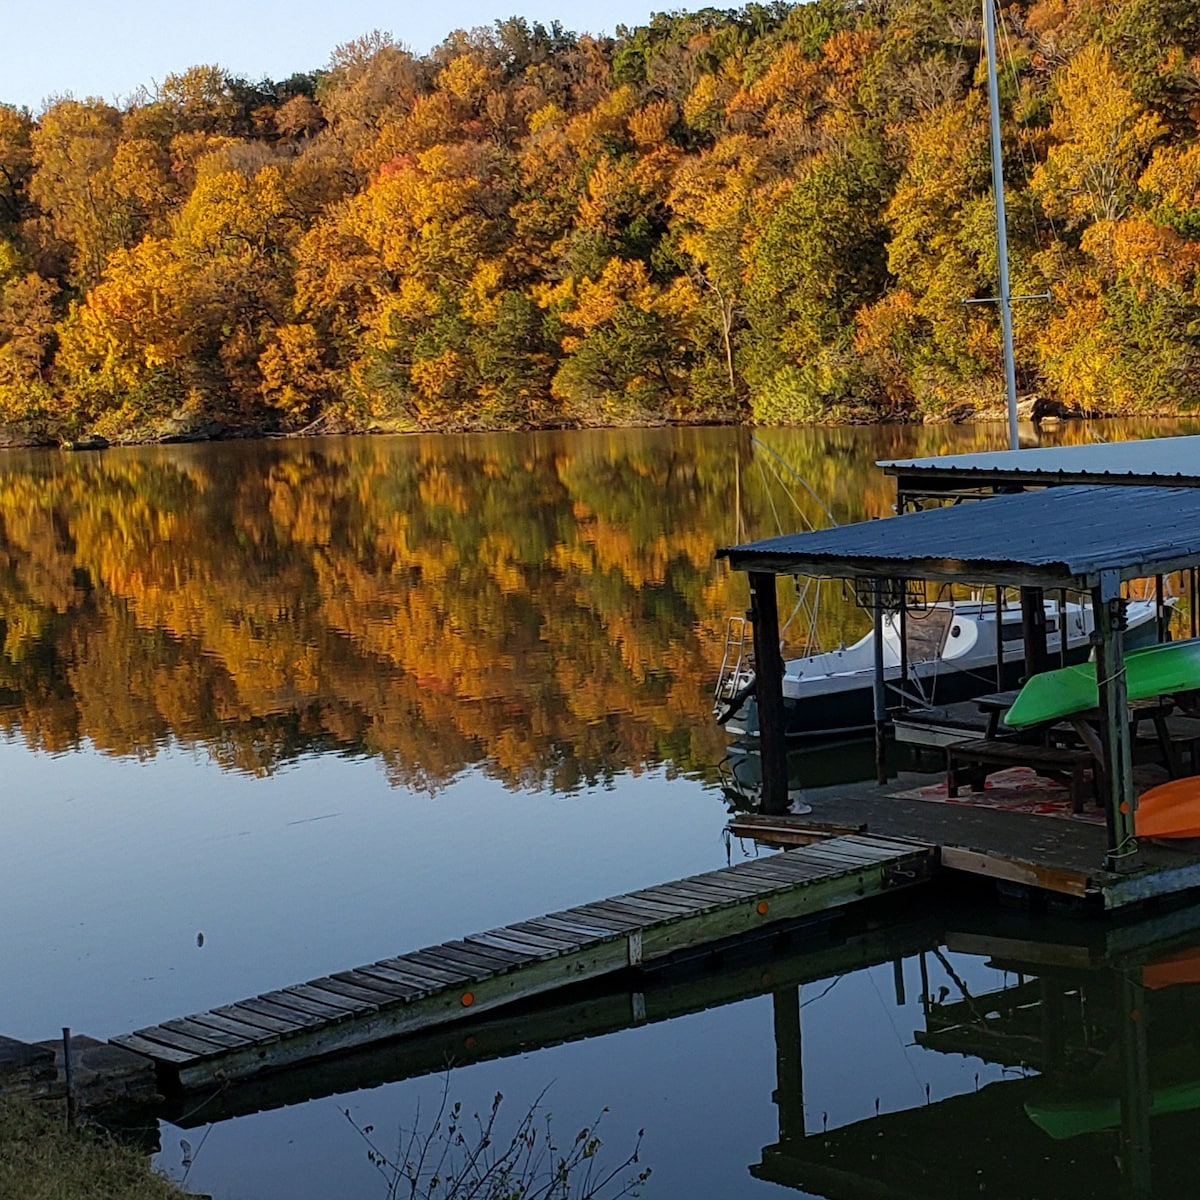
(1063, 639)
(1108, 610)
(1033, 629)
(999, 639)
(878, 691)
(1194, 579)
(789, 1068)
(1162, 617)
(69, 1077)
(1135, 1154)
(1054, 1040)
(768, 674)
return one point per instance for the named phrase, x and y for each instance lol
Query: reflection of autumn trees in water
(547, 606)
(436, 602)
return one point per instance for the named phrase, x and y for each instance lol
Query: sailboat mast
(1005, 298)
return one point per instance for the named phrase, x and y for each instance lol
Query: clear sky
(108, 48)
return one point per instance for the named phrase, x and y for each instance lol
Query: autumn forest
(772, 214)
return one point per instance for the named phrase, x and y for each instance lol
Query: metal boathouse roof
(1059, 538)
(1171, 460)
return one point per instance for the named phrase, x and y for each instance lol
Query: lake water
(273, 710)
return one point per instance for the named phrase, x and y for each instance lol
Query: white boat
(952, 656)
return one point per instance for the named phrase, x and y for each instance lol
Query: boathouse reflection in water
(1094, 1030)
(1103, 1037)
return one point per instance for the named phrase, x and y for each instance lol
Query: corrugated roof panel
(1153, 458)
(1060, 537)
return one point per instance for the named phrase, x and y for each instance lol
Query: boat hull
(845, 703)
(852, 709)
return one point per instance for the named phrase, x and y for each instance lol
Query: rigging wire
(823, 993)
(810, 612)
(887, 1012)
(770, 495)
(799, 479)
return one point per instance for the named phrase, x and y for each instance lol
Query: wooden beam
(1108, 609)
(996, 866)
(999, 638)
(878, 691)
(789, 1070)
(949, 570)
(1033, 630)
(1135, 1091)
(768, 674)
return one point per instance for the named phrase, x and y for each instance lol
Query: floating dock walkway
(428, 988)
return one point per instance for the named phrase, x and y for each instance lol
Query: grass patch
(41, 1160)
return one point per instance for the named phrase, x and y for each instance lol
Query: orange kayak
(1171, 810)
(1182, 967)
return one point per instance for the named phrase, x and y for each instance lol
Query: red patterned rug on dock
(1016, 789)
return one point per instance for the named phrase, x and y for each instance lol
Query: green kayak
(1068, 1119)
(1153, 671)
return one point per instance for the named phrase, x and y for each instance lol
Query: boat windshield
(926, 632)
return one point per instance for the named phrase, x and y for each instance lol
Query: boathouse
(1086, 538)
(951, 478)
(1153, 462)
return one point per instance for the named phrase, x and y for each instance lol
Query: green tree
(820, 255)
(1102, 139)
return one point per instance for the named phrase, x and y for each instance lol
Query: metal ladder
(737, 663)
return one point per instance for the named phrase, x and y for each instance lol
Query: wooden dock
(753, 968)
(1040, 854)
(421, 990)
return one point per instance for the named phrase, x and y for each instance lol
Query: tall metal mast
(1005, 297)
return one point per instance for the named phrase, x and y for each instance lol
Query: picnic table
(1064, 750)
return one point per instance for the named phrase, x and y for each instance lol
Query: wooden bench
(1173, 740)
(966, 762)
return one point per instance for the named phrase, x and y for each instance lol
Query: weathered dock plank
(209, 1033)
(424, 989)
(410, 966)
(420, 985)
(159, 1053)
(536, 951)
(298, 1003)
(252, 1033)
(603, 914)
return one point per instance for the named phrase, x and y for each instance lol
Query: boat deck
(1048, 854)
(940, 725)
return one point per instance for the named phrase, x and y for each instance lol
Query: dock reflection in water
(812, 764)
(1087, 1060)
(1103, 1033)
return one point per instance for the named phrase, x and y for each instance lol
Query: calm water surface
(274, 710)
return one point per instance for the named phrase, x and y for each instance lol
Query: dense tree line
(773, 213)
